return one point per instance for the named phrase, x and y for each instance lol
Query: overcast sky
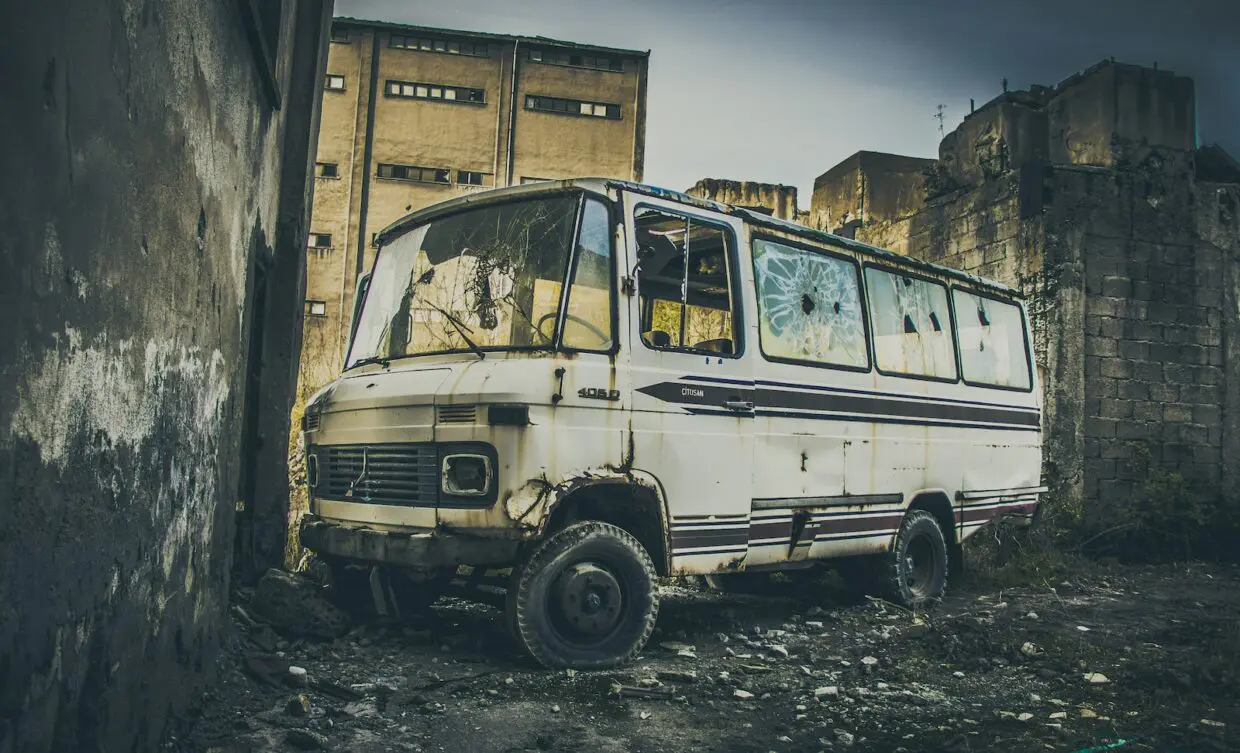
(779, 91)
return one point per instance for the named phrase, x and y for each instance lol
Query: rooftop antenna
(1005, 86)
(971, 105)
(938, 113)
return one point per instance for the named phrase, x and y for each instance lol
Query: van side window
(991, 335)
(809, 306)
(587, 320)
(912, 325)
(684, 279)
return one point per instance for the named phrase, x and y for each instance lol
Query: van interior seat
(718, 345)
(658, 338)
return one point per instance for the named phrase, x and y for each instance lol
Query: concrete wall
(148, 178)
(774, 199)
(1085, 198)
(868, 187)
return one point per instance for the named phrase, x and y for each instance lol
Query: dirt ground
(1133, 659)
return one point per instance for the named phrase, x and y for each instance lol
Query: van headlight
(466, 475)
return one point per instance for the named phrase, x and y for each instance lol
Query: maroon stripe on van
(856, 525)
(780, 529)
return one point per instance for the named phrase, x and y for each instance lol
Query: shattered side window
(809, 306)
(912, 325)
(992, 341)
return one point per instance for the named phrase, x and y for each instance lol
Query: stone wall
(154, 207)
(771, 198)
(1086, 198)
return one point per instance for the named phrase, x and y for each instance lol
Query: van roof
(601, 186)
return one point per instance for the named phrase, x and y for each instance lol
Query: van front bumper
(420, 548)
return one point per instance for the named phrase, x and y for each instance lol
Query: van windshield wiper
(384, 360)
(461, 329)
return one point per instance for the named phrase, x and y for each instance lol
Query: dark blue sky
(781, 90)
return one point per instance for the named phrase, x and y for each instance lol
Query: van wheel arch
(632, 504)
(937, 503)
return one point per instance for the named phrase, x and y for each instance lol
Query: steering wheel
(603, 338)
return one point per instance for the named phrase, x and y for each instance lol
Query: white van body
(797, 434)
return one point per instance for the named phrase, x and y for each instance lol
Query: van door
(692, 376)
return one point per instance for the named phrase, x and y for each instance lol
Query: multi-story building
(413, 116)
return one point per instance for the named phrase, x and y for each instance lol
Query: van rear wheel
(585, 598)
(914, 573)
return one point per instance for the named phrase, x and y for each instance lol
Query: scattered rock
(743, 695)
(1089, 714)
(957, 673)
(1212, 723)
(678, 675)
(778, 650)
(828, 690)
(844, 737)
(677, 646)
(869, 661)
(555, 708)
(361, 709)
(1059, 715)
(298, 678)
(1029, 649)
(1024, 716)
(1096, 678)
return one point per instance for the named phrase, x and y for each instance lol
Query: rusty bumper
(420, 549)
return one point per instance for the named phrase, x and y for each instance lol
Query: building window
(320, 240)
(572, 107)
(527, 179)
(316, 308)
(414, 173)
(462, 94)
(334, 83)
(468, 178)
(326, 170)
(444, 46)
(340, 34)
(576, 60)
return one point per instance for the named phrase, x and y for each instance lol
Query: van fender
(938, 501)
(532, 506)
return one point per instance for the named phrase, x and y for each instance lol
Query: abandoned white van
(595, 382)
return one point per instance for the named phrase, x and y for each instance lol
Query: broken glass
(912, 325)
(497, 270)
(809, 306)
(992, 341)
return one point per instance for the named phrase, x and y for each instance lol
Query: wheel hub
(589, 599)
(919, 566)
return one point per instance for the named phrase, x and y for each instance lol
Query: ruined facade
(1092, 198)
(155, 203)
(774, 199)
(413, 116)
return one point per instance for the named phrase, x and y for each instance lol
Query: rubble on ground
(801, 669)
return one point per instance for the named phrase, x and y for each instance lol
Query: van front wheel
(914, 572)
(585, 598)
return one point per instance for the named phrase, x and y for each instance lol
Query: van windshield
(483, 279)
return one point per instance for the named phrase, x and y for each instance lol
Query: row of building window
(576, 60)
(435, 91)
(469, 95)
(417, 174)
(572, 107)
(482, 50)
(446, 46)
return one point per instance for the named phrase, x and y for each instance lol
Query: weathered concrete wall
(1087, 199)
(868, 187)
(774, 199)
(146, 180)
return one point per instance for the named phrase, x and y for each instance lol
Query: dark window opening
(572, 107)
(327, 170)
(340, 34)
(320, 240)
(413, 173)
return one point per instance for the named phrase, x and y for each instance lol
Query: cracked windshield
(488, 279)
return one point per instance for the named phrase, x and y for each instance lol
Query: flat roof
(758, 219)
(412, 29)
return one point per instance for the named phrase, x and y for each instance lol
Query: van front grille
(381, 474)
(456, 414)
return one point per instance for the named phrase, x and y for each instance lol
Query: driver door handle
(739, 406)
